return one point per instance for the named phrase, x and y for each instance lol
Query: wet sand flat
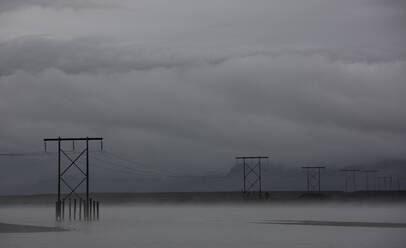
(214, 225)
(14, 228)
(333, 223)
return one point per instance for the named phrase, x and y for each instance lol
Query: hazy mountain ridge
(275, 177)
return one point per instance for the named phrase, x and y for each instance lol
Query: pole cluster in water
(77, 209)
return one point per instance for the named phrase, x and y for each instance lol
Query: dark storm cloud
(190, 87)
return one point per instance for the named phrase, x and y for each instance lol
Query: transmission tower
(384, 183)
(398, 183)
(252, 178)
(313, 178)
(350, 179)
(367, 180)
(73, 162)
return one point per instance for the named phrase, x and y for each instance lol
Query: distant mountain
(275, 177)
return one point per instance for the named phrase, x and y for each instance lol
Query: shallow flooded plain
(228, 225)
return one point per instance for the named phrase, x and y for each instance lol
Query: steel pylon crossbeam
(73, 161)
(72, 190)
(252, 184)
(252, 170)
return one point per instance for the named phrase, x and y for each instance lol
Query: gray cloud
(190, 94)
(15, 5)
(96, 55)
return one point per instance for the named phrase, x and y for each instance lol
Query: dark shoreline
(15, 228)
(219, 197)
(333, 223)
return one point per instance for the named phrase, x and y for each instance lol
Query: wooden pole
(63, 209)
(56, 210)
(84, 210)
(74, 209)
(97, 210)
(70, 210)
(90, 209)
(94, 210)
(80, 209)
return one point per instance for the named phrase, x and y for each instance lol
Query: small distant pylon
(368, 180)
(313, 178)
(252, 173)
(385, 183)
(350, 179)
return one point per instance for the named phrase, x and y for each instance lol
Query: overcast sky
(186, 85)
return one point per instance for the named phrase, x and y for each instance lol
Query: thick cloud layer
(187, 85)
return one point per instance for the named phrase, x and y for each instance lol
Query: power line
(121, 170)
(125, 168)
(147, 169)
(134, 162)
(152, 173)
(22, 154)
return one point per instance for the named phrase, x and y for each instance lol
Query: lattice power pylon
(368, 180)
(313, 178)
(252, 169)
(73, 187)
(350, 177)
(384, 183)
